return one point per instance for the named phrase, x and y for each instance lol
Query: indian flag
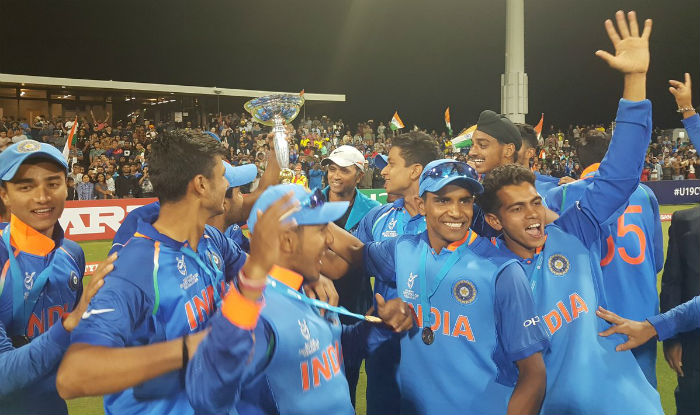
(396, 122)
(69, 140)
(464, 139)
(447, 120)
(538, 127)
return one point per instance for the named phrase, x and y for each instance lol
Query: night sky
(414, 56)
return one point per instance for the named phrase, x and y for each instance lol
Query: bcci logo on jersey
(558, 264)
(408, 293)
(464, 291)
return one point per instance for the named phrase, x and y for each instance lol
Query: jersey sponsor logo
(409, 293)
(558, 264)
(312, 345)
(321, 368)
(38, 324)
(464, 291)
(96, 311)
(181, 265)
(443, 323)
(200, 307)
(74, 281)
(531, 321)
(560, 313)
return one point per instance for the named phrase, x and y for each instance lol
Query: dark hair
(178, 156)
(528, 134)
(592, 147)
(416, 147)
(509, 174)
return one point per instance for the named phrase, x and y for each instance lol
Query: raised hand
(631, 48)
(97, 281)
(682, 92)
(638, 332)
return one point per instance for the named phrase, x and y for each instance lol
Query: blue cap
(13, 156)
(325, 213)
(380, 161)
(240, 175)
(460, 173)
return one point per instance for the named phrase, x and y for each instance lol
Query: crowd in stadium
(111, 161)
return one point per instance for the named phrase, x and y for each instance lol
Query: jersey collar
(29, 240)
(287, 277)
(146, 230)
(469, 238)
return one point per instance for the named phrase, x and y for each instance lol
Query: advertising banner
(676, 192)
(89, 220)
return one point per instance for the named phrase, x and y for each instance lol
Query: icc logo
(411, 279)
(304, 327)
(181, 265)
(392, 224)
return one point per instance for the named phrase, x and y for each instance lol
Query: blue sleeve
(515, 308)
(21, 367)
(354, 341)
(226, 359)
(114, 312)
(553, 199)
(380, 259)
(685, 317)
(607, 196)
(364, 228)
(692, 126)
(147, 213)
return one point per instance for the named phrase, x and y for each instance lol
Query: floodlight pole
(514, 80)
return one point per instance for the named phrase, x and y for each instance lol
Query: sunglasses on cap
(314, 200)
(451, 169)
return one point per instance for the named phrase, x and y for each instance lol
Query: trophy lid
(264, 109)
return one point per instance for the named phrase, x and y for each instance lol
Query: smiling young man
(286, 357)
(474, 347)
(147, 320)
(409, 154)
(562, 260)
(346, 166)
(40, 281)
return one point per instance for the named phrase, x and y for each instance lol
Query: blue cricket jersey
(285, 359)
(544, 183)
(383, 223)
(160, 290)
(235, 233)
(479, 309)
(50, 282)
(146, 213)
(632, 256)
(584, 372)
(692, 126)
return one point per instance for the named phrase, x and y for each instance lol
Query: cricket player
(543, 182)
(287, 357)
(41, 281)
(562, 260)
(633, 250)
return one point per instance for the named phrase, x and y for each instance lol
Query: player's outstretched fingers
(622, 27)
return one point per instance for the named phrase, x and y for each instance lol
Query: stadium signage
(89, 220)
(676, 192)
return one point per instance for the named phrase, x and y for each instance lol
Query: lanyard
(212, 278)
(23, 302)
(296, 295)
(537, 272)
(425, 296)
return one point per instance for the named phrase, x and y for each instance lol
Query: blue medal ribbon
(425, 296)
(296, 295)
(23, 303)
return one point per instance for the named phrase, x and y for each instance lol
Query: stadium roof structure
(93, 84)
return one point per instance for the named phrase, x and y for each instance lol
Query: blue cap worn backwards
(13, 157)
(439, 173)
(240, 175)
(314, 210)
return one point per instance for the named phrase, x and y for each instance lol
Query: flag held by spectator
(447, 120)
(396, 122)
(69, 140)
(464, 139)
(538, 127)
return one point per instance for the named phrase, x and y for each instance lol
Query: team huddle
(488, 279)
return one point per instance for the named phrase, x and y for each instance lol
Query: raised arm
(682, 92)
(621, 168)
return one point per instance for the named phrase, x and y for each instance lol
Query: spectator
(315, 176)
(101, 189)
(85, 189)
(145, 184)
(299, 177)
(126, 185)
(72, 191)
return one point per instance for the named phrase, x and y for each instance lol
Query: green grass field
(97, 250)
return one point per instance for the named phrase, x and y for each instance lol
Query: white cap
(345, 156)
